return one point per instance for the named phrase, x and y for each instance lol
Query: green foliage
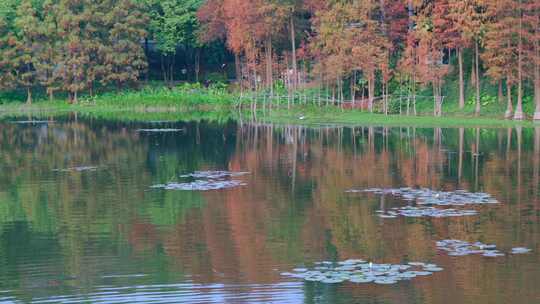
(485, 99)
(174, 23)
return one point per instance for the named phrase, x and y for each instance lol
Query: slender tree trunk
(28, 95)
(163, 71)
(237, 68)
(509, 107)
(353, 90)
(51, 94)
(197, 64)
(293, 49)
(461, 82)
(537, 79)
(269, 76)
(146, 54)
(518, 115)
(477, 80)
(371, 91)
(75, 97)
(500, 95)
(414, 94)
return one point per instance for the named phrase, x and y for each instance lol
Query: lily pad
(360, 271)
(160, 130)
(425, 196)
(201, 185)
(520, 250)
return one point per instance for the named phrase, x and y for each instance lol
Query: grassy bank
(314, 116)
(191, 102)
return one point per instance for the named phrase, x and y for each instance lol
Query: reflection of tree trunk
(508, 148)
(461, 82)
(477, 159)
(460, 156)
(295, 151)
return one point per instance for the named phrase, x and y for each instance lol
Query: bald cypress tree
(124, 57)
(24, 44)
(7, 49)
(72, 63)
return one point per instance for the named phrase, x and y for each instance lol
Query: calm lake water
(81, 222)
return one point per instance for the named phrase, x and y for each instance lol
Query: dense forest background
(365, 51)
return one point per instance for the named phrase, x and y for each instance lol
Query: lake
(113, 212)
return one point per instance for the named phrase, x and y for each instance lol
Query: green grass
(191, 102)
(316, 116)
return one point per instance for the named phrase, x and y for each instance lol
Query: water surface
(80, 221)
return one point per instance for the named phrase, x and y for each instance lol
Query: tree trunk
(509, 107)
(414, 94)
(75, 97)
(197, 64)
(269, 76)
(477, 80)
(353, 93)
(51, 94)
(371, 91)
(28, 96)
(518, 115)
(537, 80)
(237, 68)
(461, 82)
(500, 95)
(163, 70)
(537, 94)
(293, 46)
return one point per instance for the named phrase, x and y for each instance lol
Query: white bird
(302, 117)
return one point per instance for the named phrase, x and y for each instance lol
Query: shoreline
(298, 115)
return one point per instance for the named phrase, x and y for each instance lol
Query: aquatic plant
(205, 181)
(77, 169)
(462, 248)
(360, 271)
(410, 211)
(159, 130)
(214, 174)
(201, 185)
(425, 196)
(520, 250)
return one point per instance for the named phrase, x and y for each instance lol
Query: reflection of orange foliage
(142, 235)
(242, 234)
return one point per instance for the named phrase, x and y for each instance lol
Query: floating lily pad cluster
(214, 174)
(160, 130)
(410, 211)
(425, 196)
(360, 271)
(31, 122)
(462, 248)
(77, 169)
(520, 250)
(206, 181)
